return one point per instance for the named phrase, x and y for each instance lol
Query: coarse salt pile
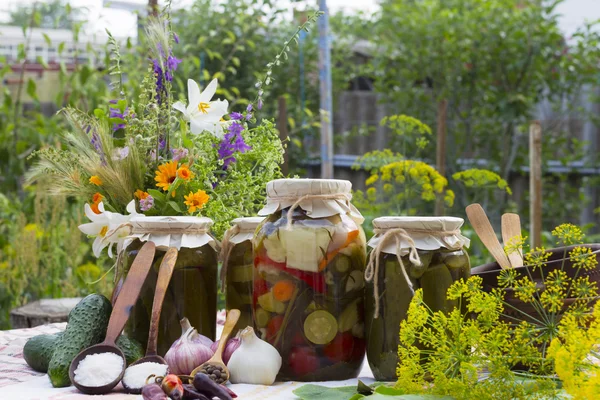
(99, 369)
(136, 375)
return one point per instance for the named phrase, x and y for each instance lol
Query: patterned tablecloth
(18, 381)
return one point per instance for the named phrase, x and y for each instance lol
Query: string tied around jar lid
(397, 234)
(299, 200)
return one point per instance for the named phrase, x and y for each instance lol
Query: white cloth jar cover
(428, 233)
(179, 232)
(319, 198)
(242, 229)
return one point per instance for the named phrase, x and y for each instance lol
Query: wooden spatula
(511, 229)
(485, 231)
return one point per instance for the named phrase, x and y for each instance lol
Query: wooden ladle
(216, 361)
(164, 277)
(485, 231)
(119, 316)
(511, 229)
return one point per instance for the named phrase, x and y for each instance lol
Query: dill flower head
(507, 277)
(537, 258)
(583, 258)
(583, 288)
(553, 298)
(166, 175)
(557, 279)
(95, 180)
(184, 173)
(195, 201)
(515, 244)
(525, 290)
(568, 234)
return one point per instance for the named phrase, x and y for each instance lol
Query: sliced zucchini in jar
(262, 317)
(320, 327)
(355, 281)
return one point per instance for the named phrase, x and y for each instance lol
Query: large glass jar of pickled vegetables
(237, 270)
(310, 255)
(192, 292)
(408, 253)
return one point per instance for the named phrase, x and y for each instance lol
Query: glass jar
(444, 260)
(237, 269)
(309, 279)
(192, 292)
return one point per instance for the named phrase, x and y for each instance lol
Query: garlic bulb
(231, 346)
(189, 351)
(255, 362)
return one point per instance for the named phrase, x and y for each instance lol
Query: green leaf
(363, 388)
(42, 62)
(61, 47)
(31, 88)
(157, 195)
(47, 39)
(311, 392)
(84, 74)
(99, 113)
(175, 206)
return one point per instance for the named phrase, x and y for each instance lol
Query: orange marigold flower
(95, 180)
(184, 173)
(166, 174)
(97, 198)
(195, 201)
(140, 194)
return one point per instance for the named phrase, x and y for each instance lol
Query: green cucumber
(88, 322)
(435, 283)
(38, 350)
(132, 349)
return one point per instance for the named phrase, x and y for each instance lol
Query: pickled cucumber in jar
(309, 284)
(443, 261)
(238, 268)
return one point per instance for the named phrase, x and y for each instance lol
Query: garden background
(402, 70)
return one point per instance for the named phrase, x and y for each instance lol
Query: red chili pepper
(313, 279)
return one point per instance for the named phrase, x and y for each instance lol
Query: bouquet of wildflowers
(156, 156)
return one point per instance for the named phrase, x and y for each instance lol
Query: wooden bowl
(490, 272)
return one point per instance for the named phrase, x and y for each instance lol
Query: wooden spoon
(216, 364)
(511, 229)
(164, 277)
(485, 231)
(119, 316)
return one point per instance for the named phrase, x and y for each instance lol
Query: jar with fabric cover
(192, 292)
(310, 255)
(408, 253)
(237, 269)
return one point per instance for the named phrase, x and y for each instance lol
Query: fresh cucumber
(38, 350)
(88, 322)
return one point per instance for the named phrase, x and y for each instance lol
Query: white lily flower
(110, 223)
(202, 113)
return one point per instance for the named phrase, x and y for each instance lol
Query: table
(18, 381)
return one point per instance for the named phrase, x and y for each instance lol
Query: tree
(494, 61)
(53, 14)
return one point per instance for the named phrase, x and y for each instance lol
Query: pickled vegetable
(440, 269)
(192, 293)
(320, 327)
(239, 285)
(309, 294)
